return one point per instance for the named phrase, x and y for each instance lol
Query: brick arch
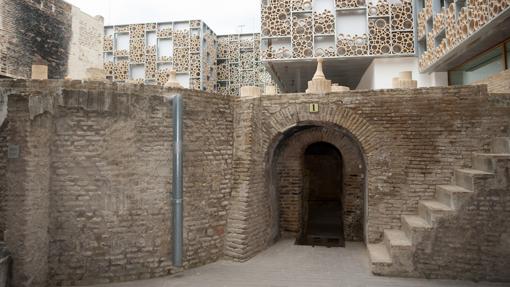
(286, 171)
(289, 118)
(251, 218)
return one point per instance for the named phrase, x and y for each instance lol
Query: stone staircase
(394, 256)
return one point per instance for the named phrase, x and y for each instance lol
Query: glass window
(479, 68)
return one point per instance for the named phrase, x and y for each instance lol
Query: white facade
(86, 50)
(381, 72)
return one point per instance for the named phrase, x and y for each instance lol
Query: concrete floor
(286, 264)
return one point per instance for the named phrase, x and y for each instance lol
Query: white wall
(183, 79)
(165, 48)
(381, 72)
(86, 44)
(321, 5)
(351, 22)
(137, 72)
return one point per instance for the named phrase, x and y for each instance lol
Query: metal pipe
(177, 181)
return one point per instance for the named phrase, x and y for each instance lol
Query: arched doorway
(294, 179)
(322, 216)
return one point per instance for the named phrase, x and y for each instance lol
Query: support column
(247, 229)
(28, 185)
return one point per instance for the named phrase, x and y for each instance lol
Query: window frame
(501, 46)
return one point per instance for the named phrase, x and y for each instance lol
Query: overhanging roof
(292, 75)
(487, 37)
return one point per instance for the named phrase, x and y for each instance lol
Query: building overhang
(485, 38)
(292, 75)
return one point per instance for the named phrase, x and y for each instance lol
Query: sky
(223, 16)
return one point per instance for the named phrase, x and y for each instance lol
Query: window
(479, 68)
(420, 4)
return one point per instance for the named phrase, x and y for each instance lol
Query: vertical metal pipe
(177, 180)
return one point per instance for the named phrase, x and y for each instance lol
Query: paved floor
(286, 264)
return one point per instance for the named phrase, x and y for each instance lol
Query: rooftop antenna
(240, 28)
(110, 11)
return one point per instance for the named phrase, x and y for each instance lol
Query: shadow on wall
(5, 265)
(3, 108)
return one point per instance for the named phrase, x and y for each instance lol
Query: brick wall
(34, 30)
(28, 182)
(499, 83)
(3, 179)
(411, 139)
(89, 197)
(109, 215)
(474, 243)
(3, 108)
(249, 175)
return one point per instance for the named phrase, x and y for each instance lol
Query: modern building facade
(239, 63)
(145, 53)
(364, 44)
(467, 39)
(348, 34)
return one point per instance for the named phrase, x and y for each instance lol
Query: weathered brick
(499, 83)
(34, 31)
(90, 195)
(110, 174)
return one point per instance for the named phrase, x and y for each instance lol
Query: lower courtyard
(286, 264)
(415, 183)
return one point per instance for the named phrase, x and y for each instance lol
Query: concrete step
(501, 145)
(396, 239)
(378, 254)
(400, 249)
(414, 226)
(380, 259)
(432, 210)
(452, 195)
(466, 177)
(487, 161)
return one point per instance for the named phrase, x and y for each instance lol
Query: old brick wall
(248, 175)
(474, 243)
(3, 108)
(110, 198)
(411, 139)
(110, 170)
(499, 83)
(33, 30)
(93, 183)
(28, 183)
(289, 180)
(3, 178)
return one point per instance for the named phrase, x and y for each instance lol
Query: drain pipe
(177, 180)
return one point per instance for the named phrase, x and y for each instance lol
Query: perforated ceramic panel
(453, 24)
(349, 45)
(380, 36)
(276, 18)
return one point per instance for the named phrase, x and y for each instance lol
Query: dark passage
(322, 220)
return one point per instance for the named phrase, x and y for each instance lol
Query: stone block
(39, 72)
